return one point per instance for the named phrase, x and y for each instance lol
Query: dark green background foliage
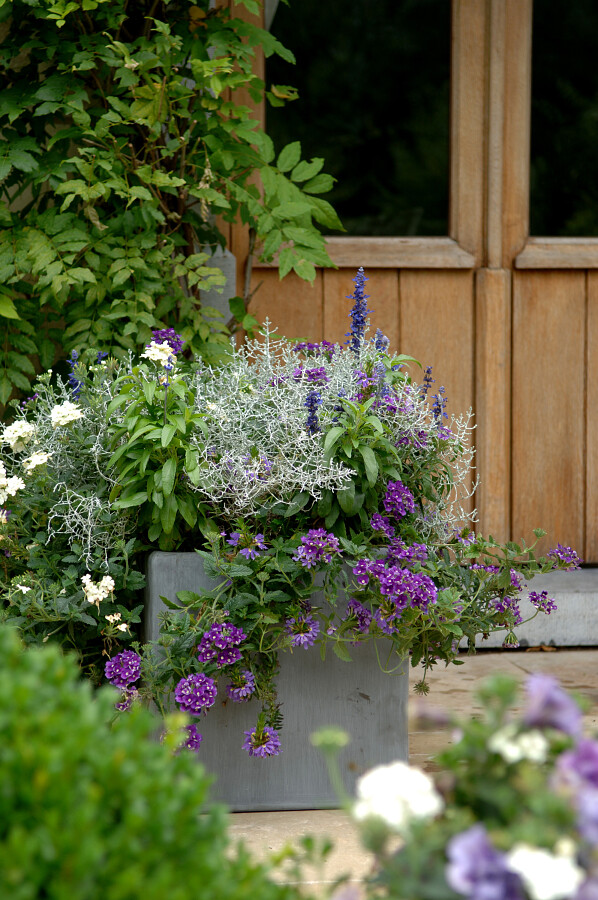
(373, 81)
(119, 145)
(564, 176)
(90, 812)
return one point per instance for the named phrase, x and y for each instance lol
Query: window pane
(373, 80)
(564, 135)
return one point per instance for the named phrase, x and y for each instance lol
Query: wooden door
(509, 322)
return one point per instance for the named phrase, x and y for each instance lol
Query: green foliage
(121, 141)
(89, 811)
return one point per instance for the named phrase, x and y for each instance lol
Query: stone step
(573, 624)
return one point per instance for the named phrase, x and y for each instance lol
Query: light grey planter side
(358, 697)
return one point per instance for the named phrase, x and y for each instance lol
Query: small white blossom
(36, 459)
(123, 627)
(4, 516)
(23, 588)
(115, 617)
(397, 794)
(546, 876)
(160, 353)
(95, 593)
(65, 413)
(513, 747)
(18, 435)
(9, 486)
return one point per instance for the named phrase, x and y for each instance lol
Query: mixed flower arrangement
(323, 487)
(512, 813)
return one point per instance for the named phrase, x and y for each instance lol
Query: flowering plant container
(512, 813)
(321, 486)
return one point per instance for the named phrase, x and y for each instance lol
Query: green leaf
(7, 308)
(341, 651)
(370, 462)
(319, 185)
(168, 513)
(187, 510)
(305, 170)
(289, 157)
(332, 437)
(168, 476)
(134, 500)
(168, 432)
(5, 389)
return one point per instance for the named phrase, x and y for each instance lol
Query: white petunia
(546, 876)
(36, 459)
(18, 435)
(514, 747)
(160, 353)
(397, 794)
(65, 413)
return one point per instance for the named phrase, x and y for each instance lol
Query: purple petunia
(123, 669)
(196, 693)
(398, 499)
(304, 630)
(262, 742)
(242, 687)
(476, 870)
(316, 545)
(548, 706)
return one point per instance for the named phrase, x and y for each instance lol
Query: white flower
(9, 486)
(95, 593)
(546, 876)
(23, 588)
(396, 793)
(115, 617)
(160, 353)
(36, 459)
(514, 747)
(4, 515)
(18, 435)
(64, 413)
(123, 627)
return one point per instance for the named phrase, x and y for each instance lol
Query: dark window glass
(564, 129)
(373, 79)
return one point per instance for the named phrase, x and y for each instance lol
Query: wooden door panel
(548, 406)
(293, 307)
(590, 554)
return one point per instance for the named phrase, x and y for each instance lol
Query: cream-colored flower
(397, 794)
(65, 413)
(18, 435)
(95, 593)
(160, 353)
(9, 486)
(114, 618)
(36, 459)
(514, 747)
(545, 875)
(23, 588)
(123, 627)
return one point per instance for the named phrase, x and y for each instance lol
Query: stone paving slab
(452, 688)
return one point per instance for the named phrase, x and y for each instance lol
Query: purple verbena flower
(193, 740)
(577, 769)
(170, 337)
(510, 605)
(399, 551)
(304, 630)
(196, 693)
(542, 601)
(565, 555)
(398, 499)
(548, 706)
(220, 642)
(242, 687)
(361, 613)
(359, 313)
(129, 695)
(262, 742)
(316, 376)
(123, 669)
(478, 871)
(317, 545)
(382, 523)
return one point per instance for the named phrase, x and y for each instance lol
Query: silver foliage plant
(259, 448)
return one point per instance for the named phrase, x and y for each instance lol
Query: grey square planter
(356, 696)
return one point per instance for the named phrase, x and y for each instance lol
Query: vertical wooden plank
(517, 117)
(436, 327)
(293, 307)
(548, 406)
(468, 109)
(591, 549)
(493, 400)
(383, 290)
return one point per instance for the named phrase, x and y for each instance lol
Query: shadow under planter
(357, 697)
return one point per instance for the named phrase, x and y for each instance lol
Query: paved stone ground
(267, 833)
